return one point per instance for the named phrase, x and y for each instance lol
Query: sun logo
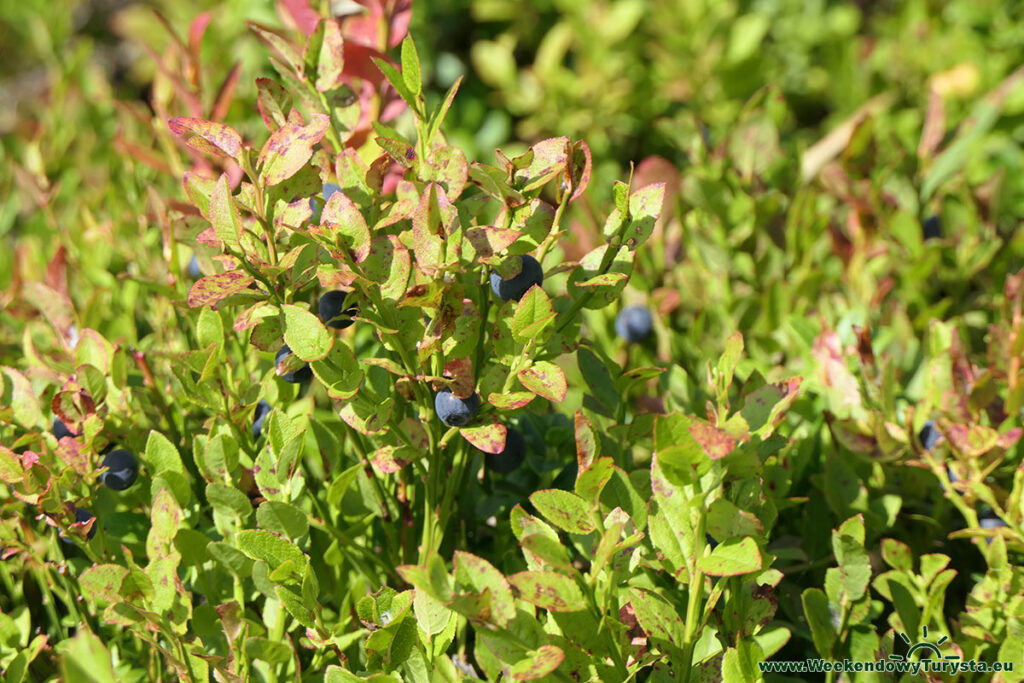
(923, 644)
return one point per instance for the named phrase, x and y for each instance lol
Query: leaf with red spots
(549, 159)
(390, 459)
(565, 510)
(461, 371)
(716, 443)
(289, 148)
(587, 444)
(344, 223)
(490, 438)
(211, 289)
(488, 240)
(548, 590)
(511, 401)
(227, 222)
(208, 136)
(274, 103)
(323, 57)
(537, 663)
(545, 379)
(580, 165)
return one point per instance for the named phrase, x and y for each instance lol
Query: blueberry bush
(297, 385)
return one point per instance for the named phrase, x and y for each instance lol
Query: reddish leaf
(274, 103)
(342, 220)
(716, 443)
(305, 17)
(386, 460)
(488, 240)
(490, 438)
(461, 371)
(586, 441)
(289, 148)
(208, 136)
(213, 288)
(580, 165)
(545, 379)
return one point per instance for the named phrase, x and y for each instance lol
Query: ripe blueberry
(634, 323)
(124, 469)
(514, 288)
(194, 271)
(991, 522)
(511, 457)
(60, 430)
(454, 411)
(333, 312)
(296, 376)
(81, 515)
(929, 435)
(711, 541)
(931, 227)
(262, 410)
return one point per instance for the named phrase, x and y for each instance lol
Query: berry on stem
(454, 411)
(634, 323)
(929, 435)
(515, 287)
(60, 430)
(123, 469)
(332, 311)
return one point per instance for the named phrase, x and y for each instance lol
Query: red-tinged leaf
(344, 222)
(548, 590)
(196, 31)
(489, 438)
(252, 316)
(304, 16)
(284, 49)
(461, 371)
(545, 379)
(11, 469)
(586, 441)
(400, 14)
(71, 453)
(565, 510)
(1010, 438)
(289, 148)
(388, 264)
(209, 238)
(511, 401)
(488, 240)
(208, 136)
(549, 159)
(580, 165)
(325, 55)
(537, 663)
(417, 434)
(603, 280)
(716, 443)
(388, 460)
(227, 222)
(274, 102)
(211, 289)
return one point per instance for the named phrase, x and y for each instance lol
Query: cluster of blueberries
(930, 436)
(121, 470)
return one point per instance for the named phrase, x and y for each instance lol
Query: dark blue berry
(514, 288)
(931, 228)
(711, 541)
(511, 457)
(60, 430)
(634, 323)
(454, 411)
(296, 376)
(123, 469)
(929, 435)
(329, 189)
(333, 312)
(262, 410)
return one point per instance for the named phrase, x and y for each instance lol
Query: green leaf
(274, 102)
(481, 576)
(210, 329)
(339, 371)
(102, 582)
(272, 549)
(854, 565)
(228, 501)
(725, 520)
(533, 317)
(396, 80)
(292, 602)
(732, 558)
(161, 455)
(224, 216)
(819, 618)
(282, 518)
(85, 658)
(658, 617)
(548, 590)
(304, 334)
(565, 510)
(411, 66)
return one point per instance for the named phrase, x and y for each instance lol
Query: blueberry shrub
(318, 390)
